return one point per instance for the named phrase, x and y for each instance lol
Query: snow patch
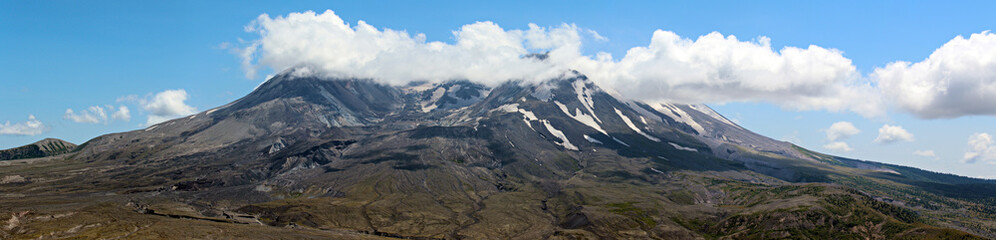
(420, 88)
(581, 117)
(633, 126)
(429, 105)
(438, 93)
(886, 170)
(485, 93)
(620, 141)
(683, 148)
(644, 113)
(527, 116)
(559, 134)
(590, 139)
(678, 115)
(514, 107)
(429, 108)
(584, 96)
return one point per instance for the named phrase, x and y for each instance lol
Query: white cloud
(483, 51)
(841, 130)
(98, 114)
(980, 147)
(957, 79)
(710, 69)
(838, 146)
(122, 114)
(716, 68)
(166, 105)
(84, 116)
(925, 153)
(31, 127)
(890, 134)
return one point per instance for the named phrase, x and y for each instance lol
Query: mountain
(44, 148)
(307, 156)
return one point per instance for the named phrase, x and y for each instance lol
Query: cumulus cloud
(957, 79)
(890, 134)
(980, 147)
(710, 69)
(716, 68)
(483, 51)
(85, 116)
(838, 131)
(925, 153)
(841, 130)
(838, 146)
(166, 105)
(29, 128)
(122, 114)
(98, 114)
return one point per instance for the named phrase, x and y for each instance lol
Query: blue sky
(60, 55)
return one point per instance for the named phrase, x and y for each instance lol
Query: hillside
(307, 156)
(43, 148)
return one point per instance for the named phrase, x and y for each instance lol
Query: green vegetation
(683, 197)
(637, 214)
(842, 213)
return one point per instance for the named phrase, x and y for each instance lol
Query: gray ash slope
(568, 115)
(396, 151)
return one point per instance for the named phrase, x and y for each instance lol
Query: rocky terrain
(43, 148)
(306, 156)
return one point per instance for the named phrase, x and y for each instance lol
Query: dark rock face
(560, 159)
(43, 148)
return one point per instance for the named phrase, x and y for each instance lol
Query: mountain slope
(558, 159)
(45, 147)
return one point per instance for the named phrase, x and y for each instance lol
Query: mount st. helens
(309, 156)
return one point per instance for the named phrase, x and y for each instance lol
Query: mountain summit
(352, 158)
